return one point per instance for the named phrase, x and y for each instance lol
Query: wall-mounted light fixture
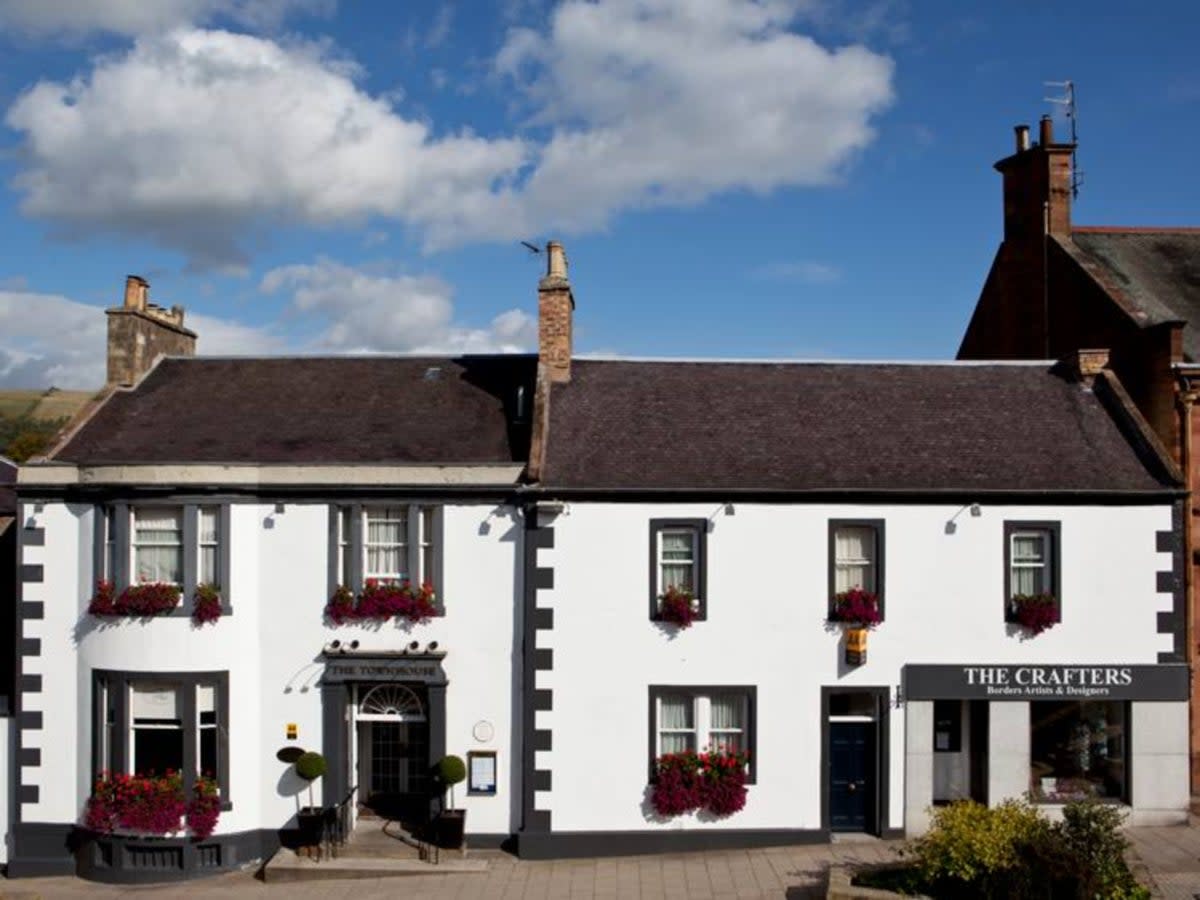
(975, 510)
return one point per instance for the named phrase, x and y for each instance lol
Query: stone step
(288, 866)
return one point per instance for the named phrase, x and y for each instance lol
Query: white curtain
(153, 702)
(854, 564)
(726, 722)
(158, 540)
(1028, 564)
(209, 540)
(387, 537)
(427, 543)
(678, 560)
(676, 727)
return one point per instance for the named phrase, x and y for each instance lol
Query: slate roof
(311, 410)
(834, 427)
(1158, 271)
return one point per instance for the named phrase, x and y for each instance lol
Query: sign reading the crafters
(1046, 682)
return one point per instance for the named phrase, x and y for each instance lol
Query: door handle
(852, 786)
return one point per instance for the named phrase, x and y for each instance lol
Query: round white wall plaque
(483, 731)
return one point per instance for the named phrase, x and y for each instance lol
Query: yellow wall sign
(292, 731)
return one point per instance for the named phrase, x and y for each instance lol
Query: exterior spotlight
(333, 645)
(414, 646)
(433, 645)
(354, 645)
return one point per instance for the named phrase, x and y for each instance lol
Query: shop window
(1079, 750)
(1032, 566)
(393, 543)
(678, 549)
(856, 558)
(702, 719)
(149, 724)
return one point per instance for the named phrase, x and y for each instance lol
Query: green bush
(1011, 851)
(310, 766)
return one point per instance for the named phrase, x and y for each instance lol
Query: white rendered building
(550, 502)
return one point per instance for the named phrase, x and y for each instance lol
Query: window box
(1032, 575)
(678, 564)
(380, 602)
(137, 600)
(856, 557)
(152, 805)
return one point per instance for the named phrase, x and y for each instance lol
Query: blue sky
(784, 178)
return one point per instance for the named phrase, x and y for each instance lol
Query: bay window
(154, 723)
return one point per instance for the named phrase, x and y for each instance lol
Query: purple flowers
(677, 607)
(380, 601)
(856, 607)
(1036, 612)
(148, 804)
(206, 604)
(150, 599)
(689, 781)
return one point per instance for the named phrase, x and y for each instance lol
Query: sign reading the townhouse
(384, 670)
(1046, 682)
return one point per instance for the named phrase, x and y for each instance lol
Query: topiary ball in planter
(452, 770)
(310, 766)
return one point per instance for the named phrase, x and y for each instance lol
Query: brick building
(1056, 287)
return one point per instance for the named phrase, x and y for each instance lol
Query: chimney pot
(1022, 138)
(136, 289)
(556, 260)
(1046, 131)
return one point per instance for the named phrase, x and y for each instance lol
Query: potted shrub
(1034, 612)
(451, 822)
(678, 607)
(310, 766)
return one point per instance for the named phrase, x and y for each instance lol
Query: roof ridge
(941, 363)
(1135, 229)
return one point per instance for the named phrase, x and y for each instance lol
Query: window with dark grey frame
(154, 720)
(860, 559)
(181, 543)
(702, 722)
(387, 541)
(1032, 562)
(679, 552)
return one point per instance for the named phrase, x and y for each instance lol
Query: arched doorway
(393, 750)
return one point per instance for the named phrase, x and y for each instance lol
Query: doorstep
(286, 865)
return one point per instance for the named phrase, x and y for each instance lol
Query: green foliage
(971, 843)
(1013, 852)
(310, 766)
(24, 437)
(452, 770)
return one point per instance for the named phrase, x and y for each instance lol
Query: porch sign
(1046, 682)
(427, 670)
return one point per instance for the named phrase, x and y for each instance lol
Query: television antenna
(532, 248)
(1067, 102)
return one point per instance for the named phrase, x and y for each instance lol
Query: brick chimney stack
(556, 306)
(139, 332)
(1037, 185)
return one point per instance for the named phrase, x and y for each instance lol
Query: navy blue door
(852, 776)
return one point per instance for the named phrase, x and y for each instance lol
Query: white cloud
(807, 271)
(194, 138)
(362, 312)
(75, 18)
(47, 340)
(657, 102)
(199, 139)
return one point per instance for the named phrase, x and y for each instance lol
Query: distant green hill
(29, 420)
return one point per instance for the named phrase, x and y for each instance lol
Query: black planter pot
(311, 823)
(450, 828)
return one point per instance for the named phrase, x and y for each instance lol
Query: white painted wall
(767, 595)
(271, 646)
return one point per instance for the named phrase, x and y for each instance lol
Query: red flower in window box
(856, 607)
(1035, 612)
(678, 607)
(688, 782)
(150, 804)
(380, 601)
(149, 599)
(206, 604)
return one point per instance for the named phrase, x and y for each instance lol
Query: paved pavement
(1169, 856)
